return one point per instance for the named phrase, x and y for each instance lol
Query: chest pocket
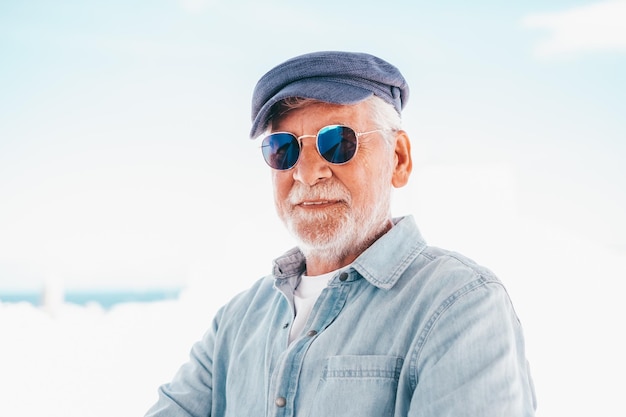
(358, 385)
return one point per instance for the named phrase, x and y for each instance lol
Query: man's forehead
(314, 110)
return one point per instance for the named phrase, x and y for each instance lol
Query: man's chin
(333, 244)
(318, 233)
(315, 236)
(318, 243)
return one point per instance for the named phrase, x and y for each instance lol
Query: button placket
(285, 378)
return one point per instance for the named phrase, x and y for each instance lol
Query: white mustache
(322, 191)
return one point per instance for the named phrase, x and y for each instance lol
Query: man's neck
(319, 262)
(318, 265)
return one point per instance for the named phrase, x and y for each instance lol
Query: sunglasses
(335, 143)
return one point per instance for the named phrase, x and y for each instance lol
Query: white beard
(335, 232)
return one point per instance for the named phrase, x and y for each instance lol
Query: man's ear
(404, 164)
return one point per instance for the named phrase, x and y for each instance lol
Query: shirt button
(280, 402)
(343, 276)
(311, 333)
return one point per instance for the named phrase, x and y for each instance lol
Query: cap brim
(313, 88)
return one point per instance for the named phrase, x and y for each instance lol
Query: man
(362, 318)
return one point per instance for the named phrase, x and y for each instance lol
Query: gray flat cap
(330, 76)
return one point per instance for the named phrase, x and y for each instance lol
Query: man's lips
(316, 203)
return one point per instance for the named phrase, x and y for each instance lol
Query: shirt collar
(381, 264)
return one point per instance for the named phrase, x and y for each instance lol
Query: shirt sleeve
(189, 394)
(471, 361)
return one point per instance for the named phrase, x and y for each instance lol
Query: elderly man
(362, 318)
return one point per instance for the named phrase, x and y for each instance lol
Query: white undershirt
(304, 297)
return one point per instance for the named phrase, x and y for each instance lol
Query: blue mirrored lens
(280, 150)
(337, 144)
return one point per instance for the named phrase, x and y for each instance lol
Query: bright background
(125, 164)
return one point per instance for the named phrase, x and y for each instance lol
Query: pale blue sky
(124, 158)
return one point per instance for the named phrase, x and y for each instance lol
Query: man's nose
(311, 167)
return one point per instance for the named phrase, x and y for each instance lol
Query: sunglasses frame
(298, 139)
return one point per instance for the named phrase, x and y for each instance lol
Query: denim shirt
(407, 330)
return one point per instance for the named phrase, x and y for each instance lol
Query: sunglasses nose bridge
(301, 145)
(299, 138)
(311, 167)
(307, 148)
